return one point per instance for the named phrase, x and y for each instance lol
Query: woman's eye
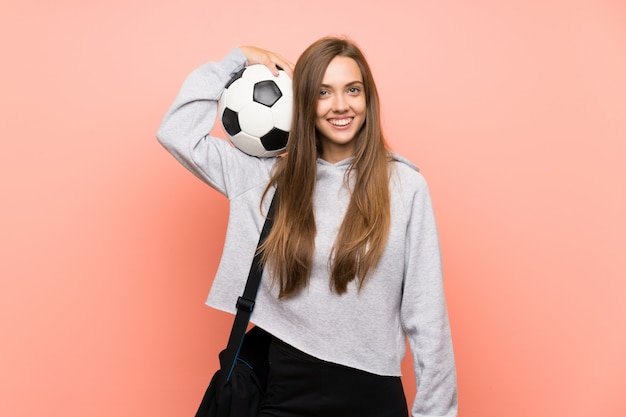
(354, 90)
(323, 93)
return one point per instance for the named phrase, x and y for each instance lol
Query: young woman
(352, 264)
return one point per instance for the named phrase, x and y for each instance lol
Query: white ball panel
(256, 119)
(238, 94)
(248, 144)
(281, 113)
(284, 83)
(257, 72)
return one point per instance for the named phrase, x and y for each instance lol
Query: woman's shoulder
(407, 185)
(405, 170)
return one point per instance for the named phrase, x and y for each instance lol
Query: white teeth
(340, 122)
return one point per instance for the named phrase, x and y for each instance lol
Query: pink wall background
(515, 111)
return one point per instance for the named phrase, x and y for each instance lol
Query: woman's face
(341, 108)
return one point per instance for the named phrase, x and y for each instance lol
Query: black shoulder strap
(245, 303)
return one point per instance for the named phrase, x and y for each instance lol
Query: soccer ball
(255, 111)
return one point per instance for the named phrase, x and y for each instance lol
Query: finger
(284, 64)
(273, 61)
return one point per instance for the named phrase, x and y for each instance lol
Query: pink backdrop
(515, 111)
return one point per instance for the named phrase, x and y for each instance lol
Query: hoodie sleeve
(185, 129)
(424, 313)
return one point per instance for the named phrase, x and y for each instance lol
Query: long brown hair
(363, 233)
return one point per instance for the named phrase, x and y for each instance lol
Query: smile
(340, 122)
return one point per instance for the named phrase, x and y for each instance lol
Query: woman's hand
(270, 59)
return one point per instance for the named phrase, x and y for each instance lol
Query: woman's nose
(340, 103)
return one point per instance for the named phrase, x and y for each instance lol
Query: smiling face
(341, 108)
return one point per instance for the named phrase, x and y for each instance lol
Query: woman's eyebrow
(351, 83)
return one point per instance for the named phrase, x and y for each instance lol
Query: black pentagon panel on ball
(275, 139)
(266, 92)
(235, 77)
(230, 120)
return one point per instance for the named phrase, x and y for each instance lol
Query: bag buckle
(245, 304)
